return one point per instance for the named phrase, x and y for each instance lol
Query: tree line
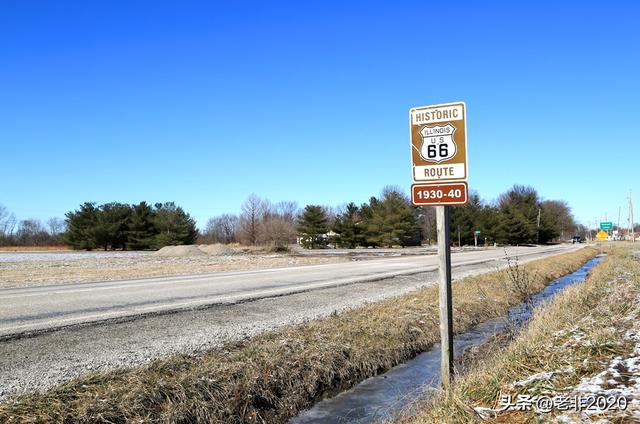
(108, 226)
(124, 226)
(518, 216)
(387, 221)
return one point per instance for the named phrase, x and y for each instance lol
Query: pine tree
(393, 221)
(488, 224)
(174, 226)
(312, 226)
(112, 225)
(515, 228)
(467, 219)
(366, 213)
(348, 226)
(519, 208)
(141, 230)
(80, 227)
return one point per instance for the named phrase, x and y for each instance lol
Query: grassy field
(587, 341)
(273, 376)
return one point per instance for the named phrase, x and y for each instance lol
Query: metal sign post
(446, 308)
(606, 226)
(602, 236)
(438, 139)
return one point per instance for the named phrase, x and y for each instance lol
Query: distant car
(577, 239)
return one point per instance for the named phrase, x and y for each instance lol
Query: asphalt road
(40, 309)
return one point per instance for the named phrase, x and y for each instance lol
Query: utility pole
(538, 234)
(631, 229)
(619, 232)
(446, 308)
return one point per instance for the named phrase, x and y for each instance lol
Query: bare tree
(559, 217)
(56, 226)
(8, 224)
(288, 210)
(279, 224)
(278, 232)
(31, 232)
(222, 229)
(251, 217)
(427, 219)
(4, 213)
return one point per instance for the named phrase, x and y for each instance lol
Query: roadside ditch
(381, 397)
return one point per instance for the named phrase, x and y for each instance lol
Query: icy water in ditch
(380, 397)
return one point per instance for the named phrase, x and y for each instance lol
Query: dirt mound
(193, 250)
(216, 249)
(164, 251)
(180, 251)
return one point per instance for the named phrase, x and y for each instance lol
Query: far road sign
(602, 235)
(606, 225)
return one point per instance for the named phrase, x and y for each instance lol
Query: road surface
(38, 309)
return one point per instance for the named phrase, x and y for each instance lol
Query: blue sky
(204, 103)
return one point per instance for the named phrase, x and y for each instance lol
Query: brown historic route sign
(439, 153)
(439, 194)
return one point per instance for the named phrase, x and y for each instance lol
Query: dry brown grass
(275, 375)
(583, 328)
(33, 248)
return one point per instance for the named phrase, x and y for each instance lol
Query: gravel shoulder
(38, 269)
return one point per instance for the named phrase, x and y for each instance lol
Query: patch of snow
(562, 333)
(621, 378)
(541, 376)
(485, 413)
(632, 334)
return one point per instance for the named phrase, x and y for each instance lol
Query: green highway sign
(606, 226)
(477, 232)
